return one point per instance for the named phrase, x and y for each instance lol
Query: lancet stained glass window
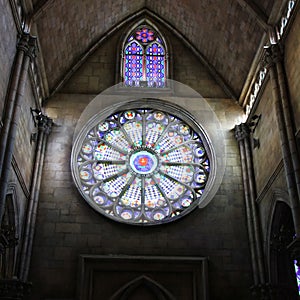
(141, 166)
(144, 59)
(297, 271)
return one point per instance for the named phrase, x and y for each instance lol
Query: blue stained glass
(155, 49)
(143, 162)
(144, 59)
(133, 70)
(145, 35)
(133, 64)
(155, 65)
(297, 270)
(134, 48)
(142, 170)
(155, 71)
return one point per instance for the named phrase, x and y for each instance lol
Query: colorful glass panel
(297, 271)
(144, 59)
(155, 71)
(145, 35)
(148, 167)
(133, 64)
(155, 65)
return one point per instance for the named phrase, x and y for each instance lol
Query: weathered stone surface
(8, 49)
(292, 61)
(217, 231)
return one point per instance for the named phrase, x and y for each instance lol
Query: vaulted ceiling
(225, 34)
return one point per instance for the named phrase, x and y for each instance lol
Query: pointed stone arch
(142, 14)
(158, 37)
(156, 290)
(9, 235)
(280, 233)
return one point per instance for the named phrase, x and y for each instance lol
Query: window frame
(145, 46)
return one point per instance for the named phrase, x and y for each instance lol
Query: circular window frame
(152, 104)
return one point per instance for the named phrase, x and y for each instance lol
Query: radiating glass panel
(142, 166)
(145, 35)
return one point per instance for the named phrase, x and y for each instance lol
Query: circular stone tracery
(141, 166)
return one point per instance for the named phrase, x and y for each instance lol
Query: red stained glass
(145, 35)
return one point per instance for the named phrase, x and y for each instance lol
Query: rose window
(141, 166)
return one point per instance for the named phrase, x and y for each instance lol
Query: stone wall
(269, 140)
(184, 67)
(8, 44)
(292, 63)
(269, 171)
(67, 226)
(24, 148)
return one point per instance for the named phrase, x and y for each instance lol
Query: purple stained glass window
(141, 166)
(297, 271)
(144, 59)
(133, 64)
(155, 65)
(145, 35)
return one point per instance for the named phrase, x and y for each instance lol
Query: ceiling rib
(219, 79)
(39, 7)
(275, 14)
(215, 74)
(256, 12)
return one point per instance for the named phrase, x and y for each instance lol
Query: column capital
(27, 44)
(44, 123)
(272, 55)
(23, 41)
(241, 131)
(32, 47)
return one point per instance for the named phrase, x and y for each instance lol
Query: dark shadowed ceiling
(225, 33)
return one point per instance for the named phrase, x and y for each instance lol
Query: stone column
(22, 47)
(241, 133)
(288, 123)
(259, 289)
(12, 118)
(44, 127)
(287, 138)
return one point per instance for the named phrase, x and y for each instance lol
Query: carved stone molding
(44, 123)
(294, 249)
(261, 291)
(272, 55)
(8, 238)
(13, 289)
(280, 240)
(28, 44)
(241, 131)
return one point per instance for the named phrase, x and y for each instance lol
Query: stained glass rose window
(142, 165)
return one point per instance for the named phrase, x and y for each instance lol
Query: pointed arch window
(297, 271)
(144, 59)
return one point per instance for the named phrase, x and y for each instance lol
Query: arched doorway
(281, 269)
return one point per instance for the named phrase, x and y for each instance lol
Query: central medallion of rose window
(143, 162)
(141, 166)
